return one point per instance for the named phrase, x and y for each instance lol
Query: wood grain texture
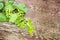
(46, 19)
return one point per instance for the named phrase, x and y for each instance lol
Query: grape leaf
(3, 17)
(11, 1)
(13, 18)
(19, 19)
(22, 7)
(7, 2)
(30, 26)
(30, 30)
(9, 7)
(22, 25)
(1, 5)
(29, 22)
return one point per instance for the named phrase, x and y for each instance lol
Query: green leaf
(22, 25)
(1, 5)
(21, 13)
(11, 1)
(7, 2)
(30, 30)
(9, 7)
(22, 7)
(3, 17)
(30, 26)
(13, 18)
(29, 22)
(25, 10)
(19, 20)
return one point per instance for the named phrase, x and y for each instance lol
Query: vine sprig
(10, 12)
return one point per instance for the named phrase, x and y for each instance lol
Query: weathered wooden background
(46, 19)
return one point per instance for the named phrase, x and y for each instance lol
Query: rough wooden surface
(46, 19)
